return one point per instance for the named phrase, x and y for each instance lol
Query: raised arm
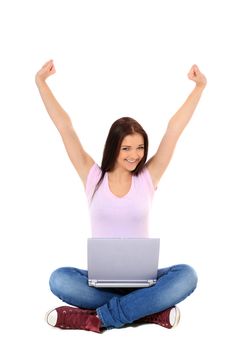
(159, 162)
(79, 158)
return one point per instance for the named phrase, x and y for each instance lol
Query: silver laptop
(122, 262)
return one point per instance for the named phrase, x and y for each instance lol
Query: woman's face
(131, 152)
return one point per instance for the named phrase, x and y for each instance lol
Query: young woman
(125, 183)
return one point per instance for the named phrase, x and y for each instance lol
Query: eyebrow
(142, 144)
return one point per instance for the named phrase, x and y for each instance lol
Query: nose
(134, 154)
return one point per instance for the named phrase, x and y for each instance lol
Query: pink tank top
(113, 216)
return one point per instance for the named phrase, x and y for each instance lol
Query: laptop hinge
(122, 284)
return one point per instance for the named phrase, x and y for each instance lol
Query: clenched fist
(196, 75)
(46, 70)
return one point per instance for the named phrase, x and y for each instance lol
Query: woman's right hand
(46, 70)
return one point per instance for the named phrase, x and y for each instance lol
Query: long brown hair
(118, 131)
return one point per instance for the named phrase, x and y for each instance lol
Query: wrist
(200, 86)
(39, 81)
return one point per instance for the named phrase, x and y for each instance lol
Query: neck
(119, 175)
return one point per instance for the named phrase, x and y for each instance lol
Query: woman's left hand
(196, 75)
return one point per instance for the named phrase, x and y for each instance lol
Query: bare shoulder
(150, 166)
(88, 164)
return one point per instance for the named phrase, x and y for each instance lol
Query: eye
(141, 147)
(125, 148)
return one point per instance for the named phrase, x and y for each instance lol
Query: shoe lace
(72, 318)
(161, 318)
(75, 319)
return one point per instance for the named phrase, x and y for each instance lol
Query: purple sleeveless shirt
(113, 216)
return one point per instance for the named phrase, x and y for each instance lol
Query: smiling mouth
(131, 161)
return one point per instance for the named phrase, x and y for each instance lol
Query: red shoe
(168, 318)
(67, 317)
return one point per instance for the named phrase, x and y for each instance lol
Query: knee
(190, 276)
(58, 278)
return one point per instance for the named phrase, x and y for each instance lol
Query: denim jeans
(119, 306)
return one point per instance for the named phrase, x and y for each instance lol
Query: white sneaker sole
(51, 317)
(176, 317)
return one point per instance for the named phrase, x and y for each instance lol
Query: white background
(113, 59)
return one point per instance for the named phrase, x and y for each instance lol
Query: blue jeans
(119, 306)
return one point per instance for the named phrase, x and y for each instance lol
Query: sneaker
(67, 317)
(168, 318)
